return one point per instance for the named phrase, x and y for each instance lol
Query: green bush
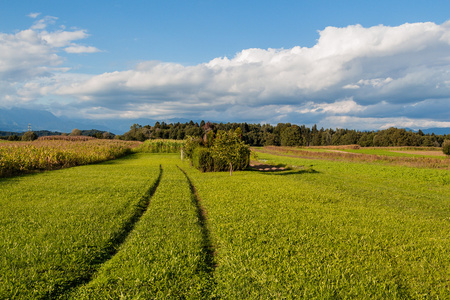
(446, 147)
(202, 159)
(220, 164)
(29, 136)
(229, 149)
(190, 144)
(218, 152)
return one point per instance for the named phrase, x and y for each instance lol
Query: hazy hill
(17, 120)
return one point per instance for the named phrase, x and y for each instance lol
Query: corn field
(24, 157)
(161, 146)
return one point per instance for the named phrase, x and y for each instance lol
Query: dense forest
(283, 134)
(286, 134)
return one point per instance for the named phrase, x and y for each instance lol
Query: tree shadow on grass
(291, 172)
(279, 169)
(15, 178)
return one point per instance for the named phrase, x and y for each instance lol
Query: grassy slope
(56, 227)
(164, 256)
(346, 230)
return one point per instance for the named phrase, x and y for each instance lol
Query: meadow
(151, 226)
(327, 229)
(58, 227)
(431, 152)
(398, 156)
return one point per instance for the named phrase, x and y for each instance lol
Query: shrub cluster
(218, 152)
(446, 147)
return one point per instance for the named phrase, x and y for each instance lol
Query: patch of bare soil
(258, 166)
(340, 151)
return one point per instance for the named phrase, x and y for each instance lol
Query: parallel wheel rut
(112, 246)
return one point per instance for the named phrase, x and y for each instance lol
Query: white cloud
(44, 22)
(24, 55)
(377, 63)
(62, 38)
(81, 49)
(352, 74)
(339, 107)
(351, 122)
(28, 58)
(33, 15)
(351, 87)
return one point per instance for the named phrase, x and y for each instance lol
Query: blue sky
(353, 64)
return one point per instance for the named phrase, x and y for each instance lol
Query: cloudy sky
(347, 64)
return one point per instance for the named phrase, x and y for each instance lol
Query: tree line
(287, 134)
(32, 135)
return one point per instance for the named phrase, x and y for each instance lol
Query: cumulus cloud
(352, 72)
(373, 76)
(347, 106)
(24, 55)
(31, 56)
(62, 38)
(81, 49)
(44, 22)
(382, 123)
(33, 15)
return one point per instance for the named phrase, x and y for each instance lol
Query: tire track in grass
(208, 248)
(164, 256)
(112, 246)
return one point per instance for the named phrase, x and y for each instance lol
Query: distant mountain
(437, 131)
(17, 120)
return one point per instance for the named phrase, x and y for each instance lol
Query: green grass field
(321, 230)
(382, 151)
(164, 257)
(341, 230)
(57, 228)
(405, 152)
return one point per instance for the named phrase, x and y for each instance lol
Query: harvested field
(432, 153)
(370, 155)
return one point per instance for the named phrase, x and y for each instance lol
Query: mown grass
(164, 257)
(321, 230)
(330, 230)
(57, 228)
